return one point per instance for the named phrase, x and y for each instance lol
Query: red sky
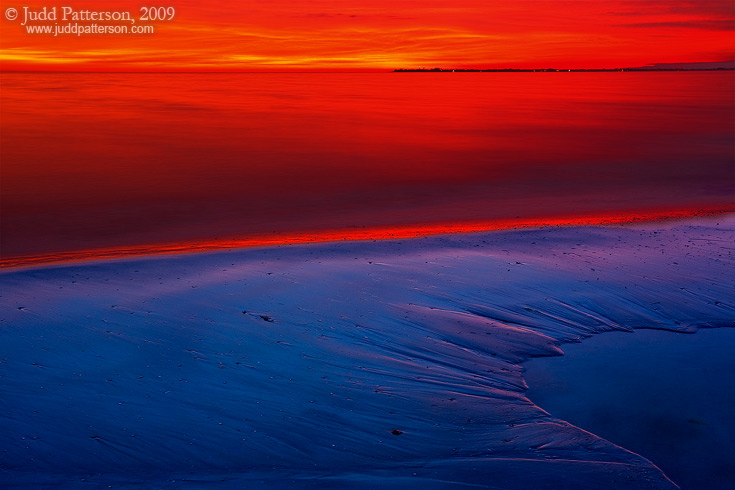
(385, 34)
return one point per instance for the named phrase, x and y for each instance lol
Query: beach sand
(338, 365)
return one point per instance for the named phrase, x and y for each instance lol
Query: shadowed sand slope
(344, 365)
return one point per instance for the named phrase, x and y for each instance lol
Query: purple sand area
(339, 365)
(668, 397)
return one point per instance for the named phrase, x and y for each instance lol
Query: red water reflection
(115, 161)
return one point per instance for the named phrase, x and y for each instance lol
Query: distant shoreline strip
(549, 70)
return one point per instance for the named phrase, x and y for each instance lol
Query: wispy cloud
(712, 25)
(706, 8)
(391, 33)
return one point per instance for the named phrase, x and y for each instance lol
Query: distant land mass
(698, 66)
(702, 65)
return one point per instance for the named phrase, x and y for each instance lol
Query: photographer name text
(66, 14)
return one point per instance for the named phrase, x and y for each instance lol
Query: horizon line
(647, 67)
(385, 70)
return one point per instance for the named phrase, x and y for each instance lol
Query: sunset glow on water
(296, 244)
(113, 161)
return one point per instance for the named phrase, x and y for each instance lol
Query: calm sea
(106, 160)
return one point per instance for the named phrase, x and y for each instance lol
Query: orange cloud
(333, 34)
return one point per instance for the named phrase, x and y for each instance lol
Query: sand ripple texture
(392, 364)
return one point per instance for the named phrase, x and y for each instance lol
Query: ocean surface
(94, 160)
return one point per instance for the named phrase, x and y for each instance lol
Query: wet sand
(338, 365)
(665, 396)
